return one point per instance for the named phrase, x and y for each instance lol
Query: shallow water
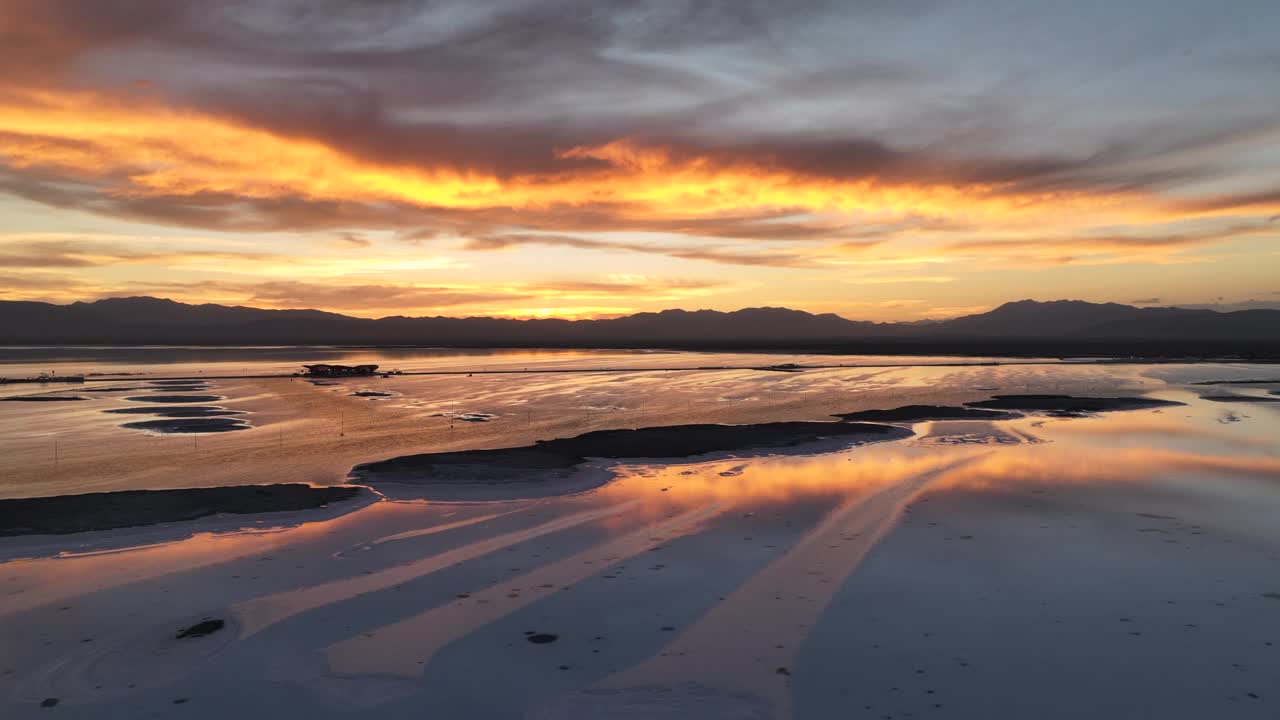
(194, 361)
(1117, 565)
(313, 432)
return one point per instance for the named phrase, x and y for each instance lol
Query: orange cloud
(139, 147)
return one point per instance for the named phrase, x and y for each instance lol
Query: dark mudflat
(190, 425)
(675, 441)
(107, 511)
(1242, 398)
(175, 398)
(920, 413)
(1069, 404)
(371, 393)
(43, 398)
(201, 629)
(177, 411)
(477, 417)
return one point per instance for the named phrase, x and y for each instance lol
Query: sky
(880, 159)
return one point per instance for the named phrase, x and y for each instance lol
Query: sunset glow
(146, 162)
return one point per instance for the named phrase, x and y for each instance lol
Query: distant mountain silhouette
(1101, 321)
(150, 321)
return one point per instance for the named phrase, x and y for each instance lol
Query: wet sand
(1052, 602)
(1069, 404)
(922, 413)
(175, 398)
(902, 577)
(314, 435)
(189, 426)
(548, 466)
(1097, 565)
(107, 511)
(178, 411)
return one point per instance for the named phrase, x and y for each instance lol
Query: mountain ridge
(145, 320)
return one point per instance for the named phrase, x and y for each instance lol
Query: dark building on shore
(340, 370)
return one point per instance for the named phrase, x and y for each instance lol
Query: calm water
(1121, 565)
(160, 361)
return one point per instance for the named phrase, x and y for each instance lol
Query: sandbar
(106, 511)
(921, 413)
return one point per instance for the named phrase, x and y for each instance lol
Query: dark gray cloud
(354, 240)
(1260, 199)
(1235, 306)
(72, 253)
(27, 282)
(1090, 98)
(1115, 243)
(722, 255)
(299, 294)
(380, 296)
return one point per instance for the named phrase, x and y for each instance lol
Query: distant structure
(340, 370)
(45, 378)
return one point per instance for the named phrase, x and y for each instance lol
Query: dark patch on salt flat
(371, 393)
(190, 425)
(920, 413)
(467, 416)
(1070, 404)
(115, 389)
(177, 411)
(43, 398)
(175, 398)
(974, 439)
(674, 441)
(208, 626)
(177, 381)
(542, 638)
(106, 511)
(1241, 398)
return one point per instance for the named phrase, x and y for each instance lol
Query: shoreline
(1130, 349)
(929, 570)
(565, 459)
(1031, 361)
(546, 468)
(92, 512)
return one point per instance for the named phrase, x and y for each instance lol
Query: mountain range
(150, 321)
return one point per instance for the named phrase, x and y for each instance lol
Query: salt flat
(1110, 564)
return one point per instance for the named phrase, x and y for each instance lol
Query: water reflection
(696, 582)
(762, 622)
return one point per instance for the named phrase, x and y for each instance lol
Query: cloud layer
(829, 139)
